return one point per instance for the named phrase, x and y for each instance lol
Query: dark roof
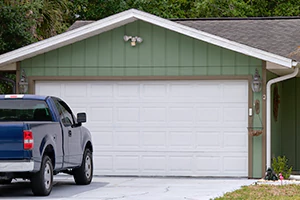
(278, 35)
(79, 23)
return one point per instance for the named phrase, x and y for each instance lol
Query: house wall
(290, 129)
(162, 53)
(276, 126)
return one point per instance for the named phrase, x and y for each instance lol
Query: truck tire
(42, 181)
(6, 181)
(83, 175)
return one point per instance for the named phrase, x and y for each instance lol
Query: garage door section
(163, 128)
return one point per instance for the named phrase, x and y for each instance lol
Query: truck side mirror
(81, 117)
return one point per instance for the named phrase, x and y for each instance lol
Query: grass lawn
(289, 191)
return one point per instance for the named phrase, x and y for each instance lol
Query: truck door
(65, 129)
(73, 134)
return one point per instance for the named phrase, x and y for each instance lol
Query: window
(24, 110)
(65, 113)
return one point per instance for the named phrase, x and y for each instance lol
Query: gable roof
(280, 36)
(129, 16)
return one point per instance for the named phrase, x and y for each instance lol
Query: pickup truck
(40, 137)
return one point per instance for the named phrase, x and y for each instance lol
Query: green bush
(280, 165)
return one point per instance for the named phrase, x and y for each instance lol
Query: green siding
(275, 125)
(162, 53)
(290, 131)
(257, 122)
(286, 131)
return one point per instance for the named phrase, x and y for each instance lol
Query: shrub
(280, 165)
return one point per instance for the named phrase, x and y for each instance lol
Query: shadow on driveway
(61, 189)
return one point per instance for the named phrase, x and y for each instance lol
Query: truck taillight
(28, 140)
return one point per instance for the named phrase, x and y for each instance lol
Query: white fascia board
(126, 17)
(213, 39)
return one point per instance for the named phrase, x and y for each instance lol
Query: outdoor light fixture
(23, 84)
(134, 39)
(256, 83)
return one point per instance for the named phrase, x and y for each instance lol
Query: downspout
(269, 84)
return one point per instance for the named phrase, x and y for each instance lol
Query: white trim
(126, 17)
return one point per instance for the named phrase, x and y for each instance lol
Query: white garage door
(168, 128)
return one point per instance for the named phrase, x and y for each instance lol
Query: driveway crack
(124, 196)
(167, 189)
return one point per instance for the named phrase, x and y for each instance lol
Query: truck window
(24, 110)
(65, 112)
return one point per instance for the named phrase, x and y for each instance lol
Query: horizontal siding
(162, 53)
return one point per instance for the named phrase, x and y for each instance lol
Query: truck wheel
(84, 174)
(5, 181)
(42, 181)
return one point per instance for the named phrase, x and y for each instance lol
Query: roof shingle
(279, 36)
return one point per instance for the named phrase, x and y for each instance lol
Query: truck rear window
(24, 110)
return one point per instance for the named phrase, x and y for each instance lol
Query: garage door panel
(234, 114)
(181, 114)
(208, 139)
(154, 164)
(154, 139)
(208, 114)
(103, 90)
(168, 128)
(154, 91)
(50, 89)
(81, 90)
(233, 92)
(235, 164)
(180, 164)
(127, 114)
(235, 140)
(127, 90)
(181, 139)
(208, 165)
(103, 163)
(128, 139)
(127, 163)
(153, 114)
(101, 114)
(102, 139)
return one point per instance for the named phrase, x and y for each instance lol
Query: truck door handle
(70, 133)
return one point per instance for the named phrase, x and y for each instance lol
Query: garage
(163, 127)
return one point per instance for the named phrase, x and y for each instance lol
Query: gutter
(268, 111)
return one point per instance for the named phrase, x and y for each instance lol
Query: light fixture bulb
(139, 40)
(126, 38)
(132, 43)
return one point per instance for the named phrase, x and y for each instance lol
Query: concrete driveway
(130, 188)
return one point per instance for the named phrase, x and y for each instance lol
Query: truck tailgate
(11, 141)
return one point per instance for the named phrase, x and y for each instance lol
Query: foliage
(23, 22)
(51, 17)
(280, 165)
(6, 87)
(15, 26)
(97, 9)
(264, 192)
(222, 8)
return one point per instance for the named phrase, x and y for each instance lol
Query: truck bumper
(16, 166)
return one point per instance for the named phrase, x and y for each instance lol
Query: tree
(15, 26)
(25, 21)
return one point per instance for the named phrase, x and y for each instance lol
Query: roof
(191, 28)
(280, 36)
(79, 23)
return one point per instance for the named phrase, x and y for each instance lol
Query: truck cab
(40, 137)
